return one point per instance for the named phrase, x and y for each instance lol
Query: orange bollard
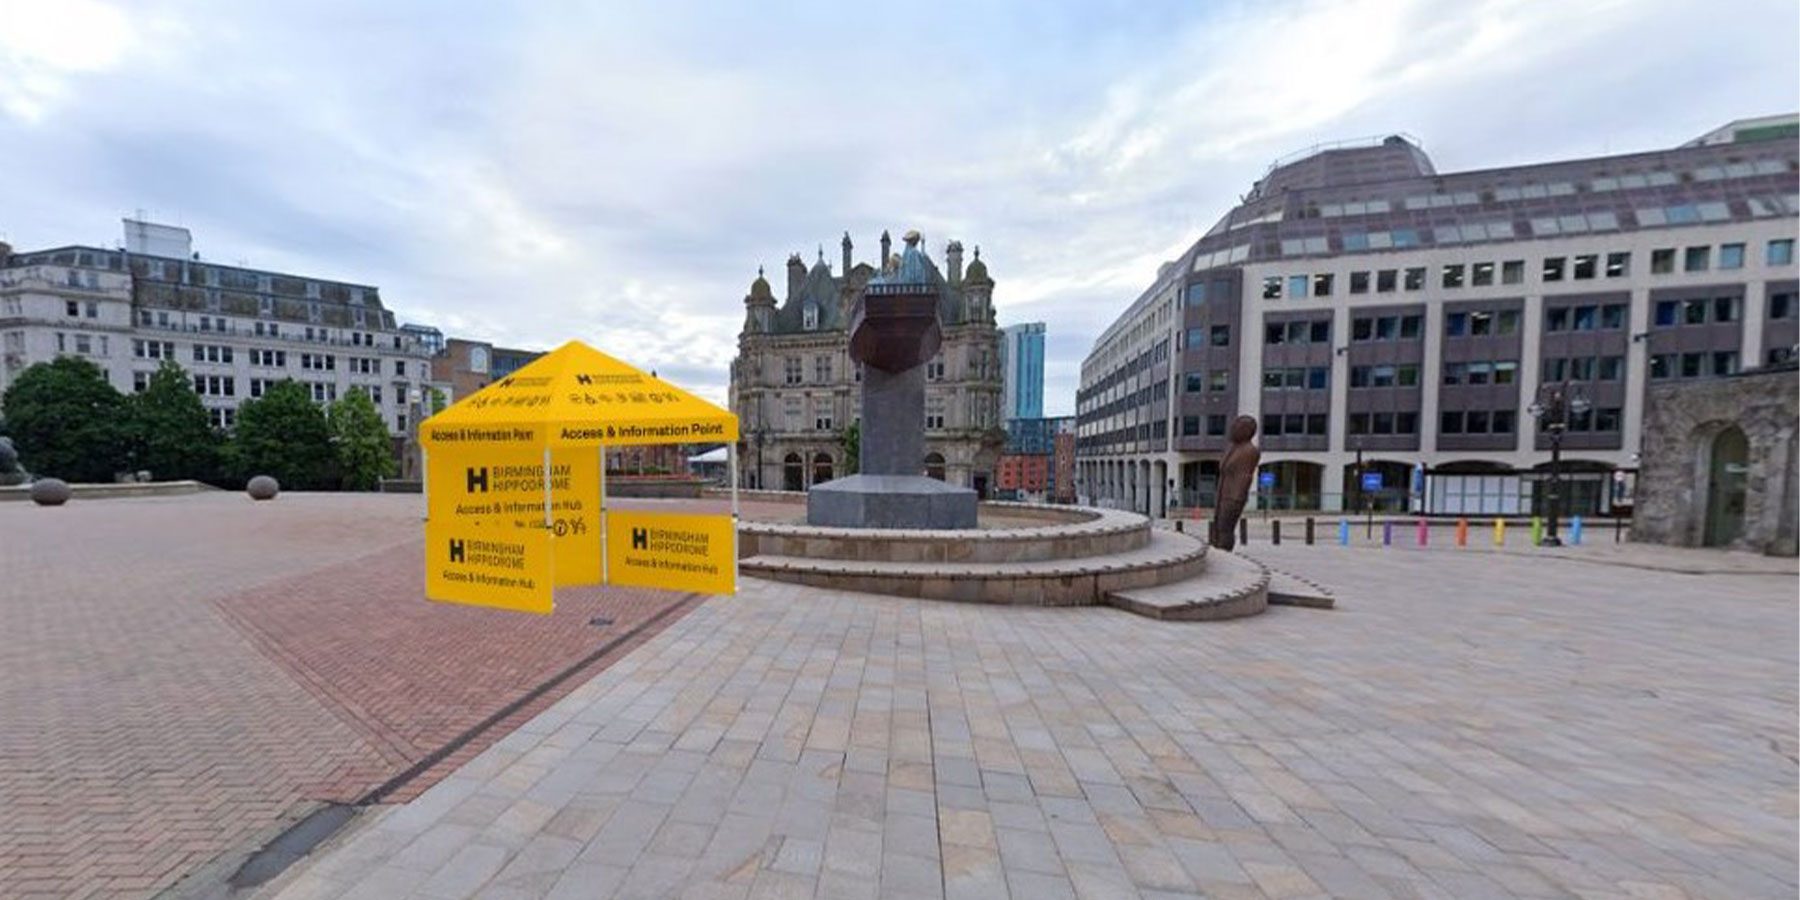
(1462, 532)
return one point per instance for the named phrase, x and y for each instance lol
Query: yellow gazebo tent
(515, 482)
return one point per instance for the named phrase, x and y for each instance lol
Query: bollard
(1387, 533)
(1575, 530)
(1499, 532)
(1423, 532)
(1618, 528)
(1462, 532)
(1275, 532)
(1343, 532)
(1537, 531)
(1309, 531)
(1178, 529)
(1244, 531)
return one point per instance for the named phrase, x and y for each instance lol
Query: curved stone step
(1165, 557)
(1067, 533)
(1231, 587)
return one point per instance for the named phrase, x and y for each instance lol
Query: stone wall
(1681, 421)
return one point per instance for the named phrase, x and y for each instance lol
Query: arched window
(821, 468)
(934, 465)
(793, 473)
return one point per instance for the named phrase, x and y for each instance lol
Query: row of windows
(1477, 421)
(1696, 312)
(1217, 381)
(1693, 365)
(1295, 425)
(1217, 336)
(1401, 375)
(1386, 328)
(212, 353)
(1315, 331)
(1505, 371)
(76, 307)
(215, 385)
(1303, 378)
(1584, 368)
(1582, 267)
(1585, 317)
(153, 349)
(1383, 423)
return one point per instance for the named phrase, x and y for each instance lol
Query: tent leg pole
(549, 532)
(605, 573)
(731, 466)
(425, 482)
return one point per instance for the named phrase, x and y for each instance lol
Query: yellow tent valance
(576, 396)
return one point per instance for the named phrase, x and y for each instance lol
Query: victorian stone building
(795, 389)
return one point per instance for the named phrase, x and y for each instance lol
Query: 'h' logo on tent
(477, 480)
(456, 550)
(640, 539)
(584, 379)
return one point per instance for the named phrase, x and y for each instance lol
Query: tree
(852, 438)
(285, 435)
(171, 435)
(365, 455)
(67, 421)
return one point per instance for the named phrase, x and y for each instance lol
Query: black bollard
(1275, 532)
(1618, 528)
(1178, 528)
(1309, 531)
(1243, 531)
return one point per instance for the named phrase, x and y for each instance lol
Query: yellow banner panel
(500, 485)
(488, 565)
(673, 551)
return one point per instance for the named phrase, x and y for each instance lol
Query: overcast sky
(617, 172)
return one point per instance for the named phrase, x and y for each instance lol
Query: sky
(617, 172)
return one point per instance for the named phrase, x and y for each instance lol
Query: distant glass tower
(1022, 371)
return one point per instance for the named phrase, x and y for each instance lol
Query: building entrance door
(1725, 487)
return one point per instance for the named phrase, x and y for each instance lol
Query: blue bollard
(1343, 532)
(1575, 530)
(1387, 534)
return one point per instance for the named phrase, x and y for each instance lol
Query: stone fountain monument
(894, 330)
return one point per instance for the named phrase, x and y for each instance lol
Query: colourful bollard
(1499, 532)
(1537, 531)
(1462, 532)
(1343, 532)
(1424, 532)
(1575, 530)
(1387, 534)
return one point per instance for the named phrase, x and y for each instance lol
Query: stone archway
(793, 473)
(1725, 483)
(934, 465)
(821, 468)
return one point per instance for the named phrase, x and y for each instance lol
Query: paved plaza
(181, 678)
(1463, 725)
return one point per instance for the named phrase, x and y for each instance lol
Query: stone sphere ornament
(262, 487)
(50, 492)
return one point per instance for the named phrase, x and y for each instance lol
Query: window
(1556, 369)
(1481, 274)
(1585, 266)
(1453, 275)
(1193, 383)
(1725, 309)
(1215, 425)
(1553, 268)
(1411, 326)
(84, 344)
(1359, 423)
(1359, 282)
(1406, 423)
(1506, 372)
(1479, 372)
(1731, 256)
(1218, 380)
(1779, 252)
(1384, 281)
(215, 385)
(1296, 287)
(1196, 295)
(1697, 259)
(1274, 333)
(1668, 313)
(1190, 426)
(1691, 364)
(1612, 315)
(1693, 312)
(1321, 285)
(1450, 422)
(1195, 337)
(1662, 261)
(399, 367)
(1475, 421)
(1503, 421)
(1272, 288)
(1781, 306)
(1318, 378)
(1221, 335)
(934, 369)
(1724, 362)
(72, 307)
(1382, 423)
(822, 369)
(1481, 322)
(1583, 319)
(212, 353)
(1456, 324)
(1415, 278)
(1662, 365)
(153, 349)
(268, 357)
(1618, 265)
(1611, 368)
(140, 381)
(1386, 327)
(791, 371)
(1362, 329)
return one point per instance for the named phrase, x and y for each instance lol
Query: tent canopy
(715, 455)
(576, 396)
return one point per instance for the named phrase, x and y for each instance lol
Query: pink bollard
(1424, 532)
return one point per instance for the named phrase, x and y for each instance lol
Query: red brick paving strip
(180, 675)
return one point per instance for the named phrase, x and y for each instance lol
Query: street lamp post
(1554, 404)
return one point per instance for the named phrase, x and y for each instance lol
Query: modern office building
(1364, 307)
(235, 330)
(1022, 371)
(795, 389)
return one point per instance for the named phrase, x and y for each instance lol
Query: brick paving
(180, 677)
(1462, 726)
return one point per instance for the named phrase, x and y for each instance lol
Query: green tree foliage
(852, 438)
(67, 421)
(285, 435)
(365, 455)
(171, 435)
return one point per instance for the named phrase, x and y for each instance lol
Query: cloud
(531, 174)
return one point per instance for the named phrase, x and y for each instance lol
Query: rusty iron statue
(1237, 473)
